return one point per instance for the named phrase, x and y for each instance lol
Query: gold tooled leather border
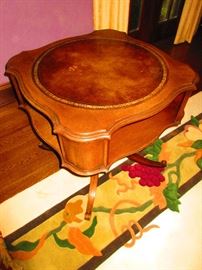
(90, 106)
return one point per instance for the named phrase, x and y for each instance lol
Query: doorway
(154, 20)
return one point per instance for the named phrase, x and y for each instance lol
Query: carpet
(128, 198)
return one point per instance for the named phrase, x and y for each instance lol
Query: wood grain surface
(22, 162)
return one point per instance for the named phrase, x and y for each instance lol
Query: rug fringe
(5, 258)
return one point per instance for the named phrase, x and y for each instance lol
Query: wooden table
(100, 97)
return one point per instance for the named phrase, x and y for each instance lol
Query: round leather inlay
(99, 73)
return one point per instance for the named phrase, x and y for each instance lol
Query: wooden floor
(22, 161)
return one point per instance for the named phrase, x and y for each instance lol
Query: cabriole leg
(147, 162)
(91, 195)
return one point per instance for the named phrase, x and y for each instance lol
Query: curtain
(111, 14)
(189, 21)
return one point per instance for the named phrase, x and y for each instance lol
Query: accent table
(100, 97)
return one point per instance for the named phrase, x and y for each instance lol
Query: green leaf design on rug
(119, 211)
(199, 163)
(91, 230)
(194, 121)
(197, 144)
(24, 245)
(29, 246)
(154, 150)
(64, 243)
(171, 194)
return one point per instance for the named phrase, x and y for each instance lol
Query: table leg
(147, 162)
(91, 195)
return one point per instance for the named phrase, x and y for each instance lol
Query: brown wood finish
(22, 162)
(6, 94)
(91, 195)
(142, 160)
(100, 97)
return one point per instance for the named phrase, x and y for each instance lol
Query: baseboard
(7, 95)
(5, 86)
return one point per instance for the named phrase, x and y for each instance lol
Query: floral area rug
(127, 200)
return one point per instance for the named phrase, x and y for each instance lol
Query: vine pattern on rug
(164, 193)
